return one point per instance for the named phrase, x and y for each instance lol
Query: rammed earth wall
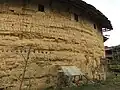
(56, 39)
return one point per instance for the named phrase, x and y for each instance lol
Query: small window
(25, 51)
(27, 1)
(95, 26)
(34, 51)
(76, 17)
(12, 10)
(41, 8)
(21, 51)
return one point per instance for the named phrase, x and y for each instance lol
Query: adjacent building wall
(56, 39)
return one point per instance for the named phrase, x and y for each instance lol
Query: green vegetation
(112, 83)
(114, 66)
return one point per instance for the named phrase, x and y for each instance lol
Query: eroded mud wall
(56, 39)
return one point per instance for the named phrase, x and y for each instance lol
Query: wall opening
(21, 51)
(95, 26)
(41, 8)
(12, 10)
(6, 50)
(76, 17)
(26, 2)
(25, 51)
(34, 51)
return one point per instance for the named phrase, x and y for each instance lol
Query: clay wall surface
(56, 39)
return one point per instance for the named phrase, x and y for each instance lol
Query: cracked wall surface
(55, 39)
